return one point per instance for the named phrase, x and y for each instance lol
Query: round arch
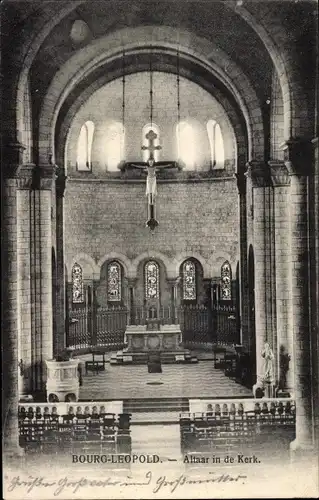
(106, 49)
(93, 271)
(237, 133)
(122, 259)
(180, 258)
(168, 264)
(29, 47)
(218, 260)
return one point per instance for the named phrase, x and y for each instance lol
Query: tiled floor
(176, 380)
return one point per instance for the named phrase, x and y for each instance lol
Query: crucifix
(151, 167)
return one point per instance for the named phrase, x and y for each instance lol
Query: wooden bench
(86, 429)
(266, 426)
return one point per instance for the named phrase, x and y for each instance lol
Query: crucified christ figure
(151, 167)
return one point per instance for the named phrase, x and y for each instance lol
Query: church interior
(160, 243)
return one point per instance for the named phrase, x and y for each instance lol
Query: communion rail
(74, 428)
(263, 426)
(105, 326)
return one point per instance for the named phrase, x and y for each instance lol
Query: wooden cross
(151, 166)
(151, 136)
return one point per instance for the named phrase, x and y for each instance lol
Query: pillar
(259, 175)
(130, 300)
(315, 286)
(41, 276)
(25, 180)
(60, 312)
(298, 157)
(174, 283)
(10, 165)
(281, 180)
(244, 295)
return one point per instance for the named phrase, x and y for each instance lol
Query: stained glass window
(225, 286)
(114, 280)
(151, 280)
(85, 146)
(189, 280)
(77, 285)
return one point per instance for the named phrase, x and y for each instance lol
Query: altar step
(154, 418)
(141, 358)
(164, 440)
(155, 405)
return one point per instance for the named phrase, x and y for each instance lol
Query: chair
(96, 364)
(219, 356)
(154, 363)
(50, 441)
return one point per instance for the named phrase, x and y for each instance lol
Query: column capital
(215, 281)
(44, 176)
(12, 155)
(279, 173)
(259, 173)
(60, 182)
(241, 178)
(25, 176)
(174, 281)
(298, 155)
(130, 282)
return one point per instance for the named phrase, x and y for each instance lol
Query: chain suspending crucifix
(151, 167)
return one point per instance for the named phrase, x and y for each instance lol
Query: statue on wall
(265, 382)
(268, 356)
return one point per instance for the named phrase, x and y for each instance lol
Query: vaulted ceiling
(215, 21)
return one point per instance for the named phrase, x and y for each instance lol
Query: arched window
(151, 272)
(145, 141)
(84, 150)
(185, 138)
(115, 146)
(216, 144)
(114, 282)
(77, 284)
(189, 280)
(225, 285)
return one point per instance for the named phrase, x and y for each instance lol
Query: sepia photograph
(159, 249)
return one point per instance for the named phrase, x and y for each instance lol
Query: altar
(141, 341)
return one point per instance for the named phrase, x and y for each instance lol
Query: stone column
(174, 283)
(214, 291)
(131, 283)
(315, 282)
(127, 301)
(259, 174)
(244, 295)
(41, 275)
(10, 165)
(298, 158)
(25, 181)
(281, 180)
(60, 312)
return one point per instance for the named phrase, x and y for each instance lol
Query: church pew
(62, 426)
(255, 424)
